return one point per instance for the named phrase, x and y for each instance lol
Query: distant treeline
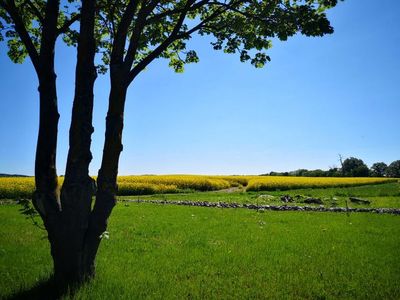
(350, 167)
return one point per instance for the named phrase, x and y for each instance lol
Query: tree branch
(109, 28)
(49, 33)
(211, 17)
(175, 36)
(36, 12)
(67, 24)
(243, 13)
(162, 47)
(136, 34)
(118, 48)
(171, 12)
(112, 5)
(12, 10)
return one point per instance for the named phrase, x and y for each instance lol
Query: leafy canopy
(21, 24)
(393, 169)
(354, 167)
(378, 169)
(134, 32)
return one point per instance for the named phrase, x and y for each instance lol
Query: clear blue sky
(318, 97)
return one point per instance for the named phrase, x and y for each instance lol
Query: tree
(378, 169)
(31, 29)
(315, 173)
(354, 167)
(393, 170)
(299, 172)
(130, 34)
(333, 172)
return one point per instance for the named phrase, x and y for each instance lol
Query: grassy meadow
(380, 195)
(178, 252)
(174, 252)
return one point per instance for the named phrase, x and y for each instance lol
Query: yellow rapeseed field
(22, 187)
(290, 182)
(16, 187)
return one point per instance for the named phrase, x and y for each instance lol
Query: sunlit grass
(381, 195)
(173, 252)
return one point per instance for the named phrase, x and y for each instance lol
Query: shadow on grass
(46, 289)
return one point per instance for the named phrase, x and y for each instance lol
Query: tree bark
(46, 197)
(107, 178)
(71, 264)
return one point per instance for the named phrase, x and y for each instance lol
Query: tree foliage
(21, 25)
(162, 29)
(378, 169)
(393, 170)
(354, 167)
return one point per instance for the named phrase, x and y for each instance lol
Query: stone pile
(320, 208)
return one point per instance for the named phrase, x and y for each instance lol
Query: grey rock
(313, 201)
(359, 200)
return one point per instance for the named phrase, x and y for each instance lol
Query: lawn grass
(381, 195)
(175, 252)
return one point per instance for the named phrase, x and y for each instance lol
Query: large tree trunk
(71, 263)
(46, 197)
(107, 178)
(66, 219)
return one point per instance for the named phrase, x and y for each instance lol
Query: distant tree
(334, 172)
(299, 172)
(315, 173)
(393, 170)
(378, 169)
(354, 167)
(273, 173)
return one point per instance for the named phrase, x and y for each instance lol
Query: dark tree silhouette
(378, 169)
(354, 167)
(130, 34)
(393, 170)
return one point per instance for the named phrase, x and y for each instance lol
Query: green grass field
(381, 195)
(174, 252)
